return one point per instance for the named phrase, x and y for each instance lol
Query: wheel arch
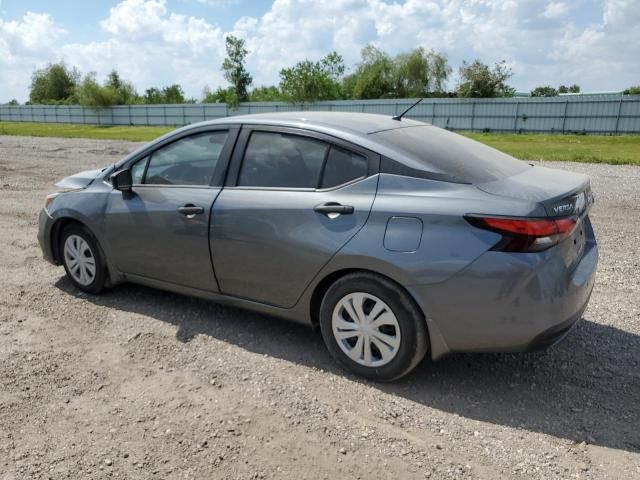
(323, 285)
(56, 234)
(437, 345)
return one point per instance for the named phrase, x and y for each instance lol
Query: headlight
(49, 199)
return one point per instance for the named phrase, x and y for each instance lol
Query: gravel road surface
(138, 383)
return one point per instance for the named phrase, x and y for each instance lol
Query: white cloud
(592, 43)
(135, 17)
(555, 10)
(153, 47)
(25, 45)
(219, 3)
(622, 13)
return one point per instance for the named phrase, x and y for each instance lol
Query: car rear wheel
(372, 327)
(82, 259)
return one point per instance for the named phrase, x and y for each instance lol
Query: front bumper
(45, 226)
(508, 302)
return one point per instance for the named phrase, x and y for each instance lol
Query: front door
(296, 201)
(161, 230)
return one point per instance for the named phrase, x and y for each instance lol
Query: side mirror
(121, 180)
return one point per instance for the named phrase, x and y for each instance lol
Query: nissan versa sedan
(396, 238)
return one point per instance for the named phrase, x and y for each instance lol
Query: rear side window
(432, 149)
(343, 167)
(282, 160)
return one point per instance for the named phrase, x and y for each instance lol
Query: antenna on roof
(399, 117)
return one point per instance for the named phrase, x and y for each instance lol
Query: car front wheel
(82, 259)
(372, 327)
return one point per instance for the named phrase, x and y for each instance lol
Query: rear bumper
(45, 224)
(508, 302)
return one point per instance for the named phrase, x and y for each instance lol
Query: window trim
(233, 172)
(218, 176)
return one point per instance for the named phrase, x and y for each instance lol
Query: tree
(419, 72)
(572, 89)
(53, 84)
(115, 91)
(373, 77)
(173, 94)
(547, 91)
(632, 91)
(125, 93)
(266, 94)
(309, 81)
(221, 95)
(234, 67)
(13, 102)
(478, 80)
(91, 94)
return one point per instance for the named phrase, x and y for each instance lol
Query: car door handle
(189, 210)
(333, 207)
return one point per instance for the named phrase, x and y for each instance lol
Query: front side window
(280, 160)
(188, 161)
(137, 170)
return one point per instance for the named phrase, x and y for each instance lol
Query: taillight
(525, 234)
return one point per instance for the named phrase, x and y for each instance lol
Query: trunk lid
(561, 193)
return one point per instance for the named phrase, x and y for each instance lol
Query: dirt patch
(138, 383)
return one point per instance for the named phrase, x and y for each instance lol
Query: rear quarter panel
(447, 243)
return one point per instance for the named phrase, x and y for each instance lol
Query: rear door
(161, 229)
(293, 198)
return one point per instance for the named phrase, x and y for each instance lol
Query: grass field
(135, 134)
(576, 148)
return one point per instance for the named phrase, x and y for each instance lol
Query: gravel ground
(138, 383)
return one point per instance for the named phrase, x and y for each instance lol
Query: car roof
(348, 122)
(354, 127)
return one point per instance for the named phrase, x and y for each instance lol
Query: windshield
(436, 150)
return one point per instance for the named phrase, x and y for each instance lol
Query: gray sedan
(396, 238)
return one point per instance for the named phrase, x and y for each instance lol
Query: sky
(593, 43)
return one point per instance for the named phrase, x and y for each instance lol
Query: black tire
(98, 282)
(414, 337)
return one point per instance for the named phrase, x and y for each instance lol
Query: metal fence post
(515, 119)
(618, 116)
(473, 113)
(433, 114)
(564, 115)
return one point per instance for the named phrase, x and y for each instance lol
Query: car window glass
(281, 160)
(436, 150)
(137, 170)
(343, 167)
(188, 161)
